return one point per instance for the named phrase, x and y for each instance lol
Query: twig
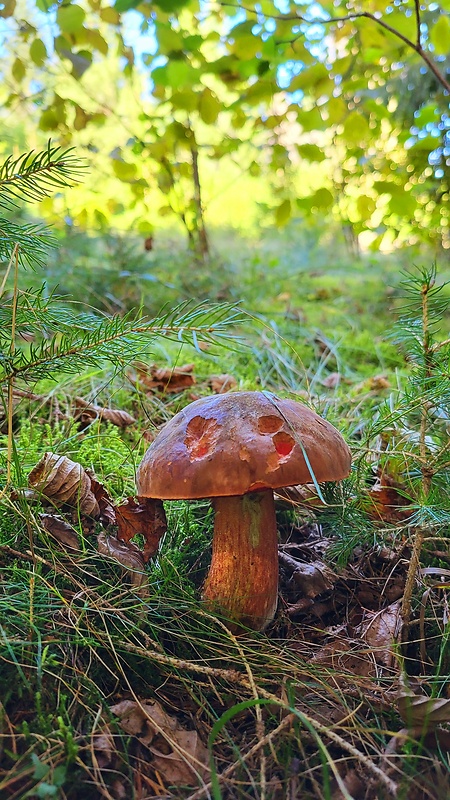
(426, 471)
(260, 732)
(267, 739)
(416, 46)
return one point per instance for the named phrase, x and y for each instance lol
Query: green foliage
(408, 436)
(317, 91)
(33, 176)
(104, 451)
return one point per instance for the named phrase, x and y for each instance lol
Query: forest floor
(116, 680)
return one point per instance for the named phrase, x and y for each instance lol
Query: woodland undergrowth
(116, 682)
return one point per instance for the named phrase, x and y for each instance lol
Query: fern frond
(33, 176)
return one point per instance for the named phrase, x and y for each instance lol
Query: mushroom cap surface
(232, 444)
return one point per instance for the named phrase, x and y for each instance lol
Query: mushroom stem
(243, 578)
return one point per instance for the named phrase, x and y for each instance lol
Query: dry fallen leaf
(332, 380)
(103, 746)
(60, 530)
(177, 754)
(343, 656)
(127, 555)
(107, 510)
(421, 712)
(388, 501)
(172, 379)
(61, 480)
(311, 579)
(222, 383)
(377, 382)
(380, 630)
(374, 384)
(145, 516)
(87, 412)
(353, 784)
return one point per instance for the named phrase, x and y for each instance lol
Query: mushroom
(236, 449)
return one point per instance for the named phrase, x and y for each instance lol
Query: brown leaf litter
(176, 753)
(86, 413)
(62, 481)
(164, 379)
(127, 555)
(144, 516)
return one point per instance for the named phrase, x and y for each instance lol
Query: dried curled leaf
(222, 383)
(61, 480)
(60, 530)
(126, 554)
(172, 379)
(311, 579)
(421, 712)
(388, 500)
(146, 517)
(87, 412)
(381, 629)
(105, 504)
(177, 754)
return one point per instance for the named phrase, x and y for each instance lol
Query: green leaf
(261, 90)
(80, 61)
(427, 114)
(322, 199)
(81, 118)
(124, 171)
(176, 74)
(311, 152)
(316, 79)
(45, 791)
(70, 18)
(40, 769)
(388, 187)
(49, 120)
(18, 70)
(38, 52)
(125, 5)
(170, 5)
(97, 42)
(336, 110)
(283, 213)
(356, 129)
(209, 107)
(246, 46)
(169, 40)
(310, 120)
(186, 100)
(165, 211)
(440, 35)
(405, 25)
(7, 8)
(366, 206)
(403, 205)
(109, 15)
(428, 144)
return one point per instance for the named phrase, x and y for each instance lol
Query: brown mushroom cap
(231, 444)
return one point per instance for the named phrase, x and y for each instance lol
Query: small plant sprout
(237, 448)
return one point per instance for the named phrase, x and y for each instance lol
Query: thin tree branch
(418, 23)
(416, 46)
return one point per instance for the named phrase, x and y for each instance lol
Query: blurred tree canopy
(160, 91)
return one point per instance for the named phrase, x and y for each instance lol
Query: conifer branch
(33, 176)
